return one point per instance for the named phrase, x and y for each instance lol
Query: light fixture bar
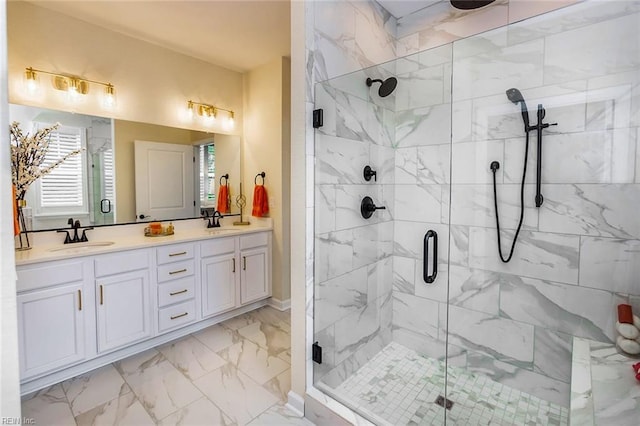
(64, 81)
(206, 108)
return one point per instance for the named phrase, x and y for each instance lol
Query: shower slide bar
(431, 234)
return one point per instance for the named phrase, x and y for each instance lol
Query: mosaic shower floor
(400, 387)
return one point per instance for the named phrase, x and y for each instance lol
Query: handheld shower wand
(515, 96)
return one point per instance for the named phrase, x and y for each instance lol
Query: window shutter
(63, 186)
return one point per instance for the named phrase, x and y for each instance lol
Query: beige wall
(125, 133)
(153, 84)
(265, 142)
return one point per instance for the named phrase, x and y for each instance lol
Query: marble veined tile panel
(420, 88)
(409, 239)
(471, 160)
(433, 165)
(340, 160)
(348, 200)
(406, 165)
(325, 202)
(333, 254)
(357, 330)
(569, 55)
(338, 297)
(595, 210)
(125, 410)
(94, 388)
(502, 338)
(217, 337)
(280, 415)
(474, 205)
(372, 243)
(537, 254)
(201, 412)
(566, 308)
(489, 73)
(418, 203)
(380, 279)
(404, 274)
(414, 313)
(474, 289)
(191, 357)
(254, 361)
(49, 406)
(423, 126)
(552, 356)
(610, 264)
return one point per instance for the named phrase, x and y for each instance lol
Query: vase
(23, 236)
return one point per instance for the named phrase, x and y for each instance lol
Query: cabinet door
(124, 309)
(51, 329)
(254, 284)
(218, 284)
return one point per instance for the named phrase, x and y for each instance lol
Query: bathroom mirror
(97, 186)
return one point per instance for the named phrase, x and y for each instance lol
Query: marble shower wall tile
(325, 202)
(340, 160)
(418, 203)
(594, 210)
(409, 239)
(421, 88)
(333, 254)
(415, 314)
(434, 164)
(423, 126)
(474, 289)
(552, 356)
(338, 297)
(610, 264)
(537, 254)
(380, 279)
(565, 308)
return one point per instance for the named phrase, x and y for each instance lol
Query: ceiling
(239, 35)
(400, 8)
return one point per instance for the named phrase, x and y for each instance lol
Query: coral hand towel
(223, 199)
(260, 201)
(16, 224)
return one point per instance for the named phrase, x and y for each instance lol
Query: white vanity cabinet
(176, 286)
(123, 302)
(52, 309)
(255, 282)
(219, 272)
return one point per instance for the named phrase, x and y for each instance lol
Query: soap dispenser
(170, 229)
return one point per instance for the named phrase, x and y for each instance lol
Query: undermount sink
(80, 247)
(214, 231)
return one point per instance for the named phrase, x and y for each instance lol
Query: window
(207, 159)
(63, 190)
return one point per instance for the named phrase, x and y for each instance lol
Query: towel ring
(262, 175)
(224, 176)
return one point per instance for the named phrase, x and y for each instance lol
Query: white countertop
(129, 237)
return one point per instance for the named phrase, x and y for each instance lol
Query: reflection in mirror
(99, 186)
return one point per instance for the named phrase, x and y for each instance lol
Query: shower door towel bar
(431, 234)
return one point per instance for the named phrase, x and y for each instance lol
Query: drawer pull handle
(178, 271)
(79, 300)
(177, 254)
(101, 295)
(244, 263)
(234, 265)
(178, 292)
(181, 315)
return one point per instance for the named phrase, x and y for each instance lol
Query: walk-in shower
(417, 319)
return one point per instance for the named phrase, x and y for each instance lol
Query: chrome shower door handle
(430, 278)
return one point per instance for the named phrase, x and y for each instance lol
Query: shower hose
(495, 199)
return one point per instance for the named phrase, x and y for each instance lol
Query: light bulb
(109, 99)
(230, 121)
(190, 110)
(31, 81)
(210, 116)
(72, 90)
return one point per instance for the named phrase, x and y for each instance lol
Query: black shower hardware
(367, 207)
(386, 87)
(262, 175)
(369, 173)
(516, 97)
(430, 278)
(226, 177)
(470, 4)
(103, 209)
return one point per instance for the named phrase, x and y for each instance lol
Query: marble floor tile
(49, 407)
(159, 386)
(235, 393)
(123, 411)
(272, 338)
(200, 413)
(94, 388)
(218, 337)
(281, 416)
(254, 361)
(285, 355)
(191, 357)
(280, 386)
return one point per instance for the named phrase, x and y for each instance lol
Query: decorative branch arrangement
(27, 155)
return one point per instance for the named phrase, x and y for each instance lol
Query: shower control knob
(367, 207)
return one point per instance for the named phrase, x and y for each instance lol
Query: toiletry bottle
(170, 228)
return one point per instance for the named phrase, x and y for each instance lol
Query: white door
(253, 277)
(51, 329)
(124, 309)
(218, 284)
(164, 181)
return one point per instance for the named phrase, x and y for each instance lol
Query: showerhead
(515, 96)
(386, 87)
(470, 4)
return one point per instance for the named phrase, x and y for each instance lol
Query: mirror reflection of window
(207, 175)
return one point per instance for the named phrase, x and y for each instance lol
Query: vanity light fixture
(71, 84)
(209, 113)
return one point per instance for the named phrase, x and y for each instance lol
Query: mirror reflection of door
(164, 179)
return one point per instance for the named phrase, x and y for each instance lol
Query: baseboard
(281, 305)
(295, 403)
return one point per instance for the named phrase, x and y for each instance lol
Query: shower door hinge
(316, 353)
(318, 120)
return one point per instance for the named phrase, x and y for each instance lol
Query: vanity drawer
(174, 253)
(254, 240)
(176, 315)
(49, 274)
(176, 270)
(117, 263)
(176, 291)
(218, 246)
